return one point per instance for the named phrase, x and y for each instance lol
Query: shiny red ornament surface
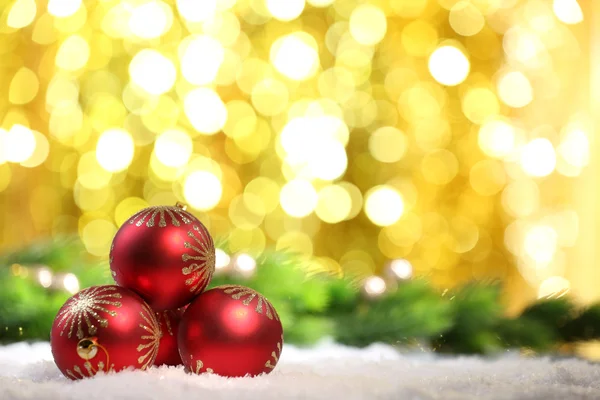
(165, 255)
(104, 328)
(230, 331)
(168, 352)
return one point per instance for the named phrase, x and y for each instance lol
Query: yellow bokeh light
(21, 14)
(368, 24)
(449, 66)
(152, 71)
(497, 138)
(538, 158)
(540, 243)
(568, 11)
(297, 242)
(127, 207)
(521, 198)
(173, 148)
(574, 148)
(439, 167)
(384, 205)
(487, 177)
(334, 204)
(419, 38)
(205, 110)
(466, 19)
(202, 190)
(285, 10)
(328, 160)
(63, 8)
(151, 19)
(201, 57)
(197, 11)
(320, 3)
(97, 236)
(73, 54)
(40, 154)
(270, 97)
(514, 89)
(114, 150)
(554, 286)
(388, 144)
(479, 104)
(19, 143)
(295, 55)
(90, 174)
(298, 198)
(24, 86)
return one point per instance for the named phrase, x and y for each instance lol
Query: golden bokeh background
(440, 138)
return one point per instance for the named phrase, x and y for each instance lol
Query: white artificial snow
(326, 371)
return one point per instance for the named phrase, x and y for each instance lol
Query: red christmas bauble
(168, 352)
(230, 331)
(104, 328)
(165, 255)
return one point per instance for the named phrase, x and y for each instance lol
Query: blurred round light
(497, 138)
(295, 55)
(368, 24)
(197, 11)
(73, 53)
(538, 158)
(466, 19)
(71, 283)
(334, 204)
(554, 286)
(568, 11)
(97, 237)
(285, 10)
(39, 155)
(45, 277)
(201, 58)
(152, 71)
(115, 150)
(448, 65)
(514, 89)
(298, 198)
(384, 205)
(388, 144)
(574, 148)
(63, 8)
(151, 20)
(202, 190)
(21, 14)
(375, 286)
(205, 110)
(521, 198)
(222, 259)
(173, 148)
(320, 3)
(328, 160)
(540, 243)
(244, 263)
(19, 143)
(402, 269)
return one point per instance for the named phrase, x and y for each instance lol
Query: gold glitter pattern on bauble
(202, 260)
(240, 292)
(151, 338)
(90, 371)
(275, 355)
(200, 365)
(84, 307)
(175, 215)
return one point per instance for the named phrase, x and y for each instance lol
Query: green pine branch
(469, 319)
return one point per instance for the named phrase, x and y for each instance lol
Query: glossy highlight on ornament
(164, 254)
(232, 331)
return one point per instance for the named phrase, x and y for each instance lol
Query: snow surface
(326, 371)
